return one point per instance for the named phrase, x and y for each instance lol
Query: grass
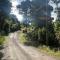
(43, 49)
(48, 51)
(2, 39)
(22, 37)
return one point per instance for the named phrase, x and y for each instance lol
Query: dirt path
(15, 51)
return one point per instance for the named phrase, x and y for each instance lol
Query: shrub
(37, 36)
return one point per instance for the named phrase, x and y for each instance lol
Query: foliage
(47, 50)
(57, 10)
(36, 11)
(37, 36)
(43, 36)
(22, 37)
(9, 25)
(44, 31)
(57, 30)
(4, 12)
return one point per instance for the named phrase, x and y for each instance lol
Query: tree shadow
(55, 47)
(31, 43)
(1, 53)
(1, 47)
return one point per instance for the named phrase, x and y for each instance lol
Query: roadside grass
(47, 50)
(22, 37)
(6, 39)
(43, 49)
(2, 42)
(2, 39)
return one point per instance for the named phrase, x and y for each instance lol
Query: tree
(3, 17)
(57, 10)
(4, 11)
(58, 13)
(57, 31)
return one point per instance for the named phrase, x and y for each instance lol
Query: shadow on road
(1, 47)
(1, 53)
(30, 43)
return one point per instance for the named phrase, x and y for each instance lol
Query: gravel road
(16, 51)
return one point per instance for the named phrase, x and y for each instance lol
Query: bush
(37, 36)
(57, 31)
(43, 36)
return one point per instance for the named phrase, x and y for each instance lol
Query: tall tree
(4, 12)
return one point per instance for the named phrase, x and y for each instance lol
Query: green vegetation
(22, 37)
(47, 50)
(2, 39)
(42, 48)
(8, 24)
(41, 33)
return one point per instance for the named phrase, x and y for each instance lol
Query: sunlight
(20, 17)
(15, 11)
(53, 14)
(14, 3)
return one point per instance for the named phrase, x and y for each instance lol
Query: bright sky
(15, 11)
(53, 14)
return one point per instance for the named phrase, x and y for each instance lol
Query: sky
(53, 14)
(15, 11)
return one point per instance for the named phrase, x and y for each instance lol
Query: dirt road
(16, 51)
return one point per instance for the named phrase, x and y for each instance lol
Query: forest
(43, 31)
(38, 24)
